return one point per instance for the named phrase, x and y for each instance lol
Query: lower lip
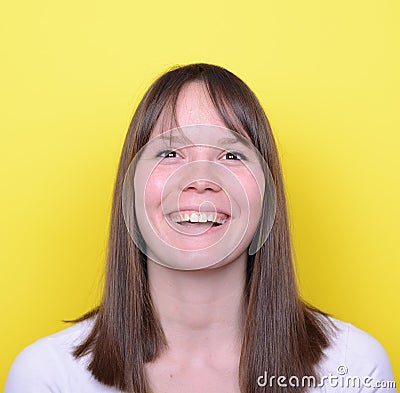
(192, 230)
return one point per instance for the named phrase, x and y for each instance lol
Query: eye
(168, 154)
(234, 156)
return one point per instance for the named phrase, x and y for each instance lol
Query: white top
(354, 359)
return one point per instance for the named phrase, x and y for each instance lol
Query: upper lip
(202, 210)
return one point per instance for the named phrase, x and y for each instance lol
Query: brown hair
(282, 334)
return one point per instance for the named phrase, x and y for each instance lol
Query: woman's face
(198, 195)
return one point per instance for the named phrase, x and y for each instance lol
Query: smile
(195, 217)
(193, 221)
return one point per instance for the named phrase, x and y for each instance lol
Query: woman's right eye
(167, 154)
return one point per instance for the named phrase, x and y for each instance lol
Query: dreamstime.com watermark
(339, 380)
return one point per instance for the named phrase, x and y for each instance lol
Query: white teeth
(203, 217)
(197, 217)
(194, 218)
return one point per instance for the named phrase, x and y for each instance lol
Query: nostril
(203, 185)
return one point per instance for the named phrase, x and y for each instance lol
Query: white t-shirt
(354, 362)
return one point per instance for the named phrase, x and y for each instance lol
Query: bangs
(225, 103)
(235, 104)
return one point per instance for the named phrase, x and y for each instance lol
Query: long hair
(282, 334)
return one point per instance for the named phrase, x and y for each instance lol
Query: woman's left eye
(232, 155)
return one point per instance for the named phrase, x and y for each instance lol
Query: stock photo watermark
(339, 380)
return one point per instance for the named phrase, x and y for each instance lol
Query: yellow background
(327, 74)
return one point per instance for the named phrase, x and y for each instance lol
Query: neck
(201, 308)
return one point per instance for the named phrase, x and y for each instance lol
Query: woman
(185, 307)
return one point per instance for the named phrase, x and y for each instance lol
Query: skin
(200, 310)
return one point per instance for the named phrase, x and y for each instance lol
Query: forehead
(193, 106)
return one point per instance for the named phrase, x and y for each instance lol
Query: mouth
(193, 223)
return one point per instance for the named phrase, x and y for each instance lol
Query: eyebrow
(228, 140)
(222, 141)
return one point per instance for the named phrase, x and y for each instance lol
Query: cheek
(253, 195)
(153, 192)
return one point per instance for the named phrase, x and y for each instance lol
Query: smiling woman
(177, 197)
(200, 291)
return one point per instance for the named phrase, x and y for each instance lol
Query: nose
(200, 176)
(202, 185)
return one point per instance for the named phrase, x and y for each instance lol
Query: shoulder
(48, 365)
(355, 353)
